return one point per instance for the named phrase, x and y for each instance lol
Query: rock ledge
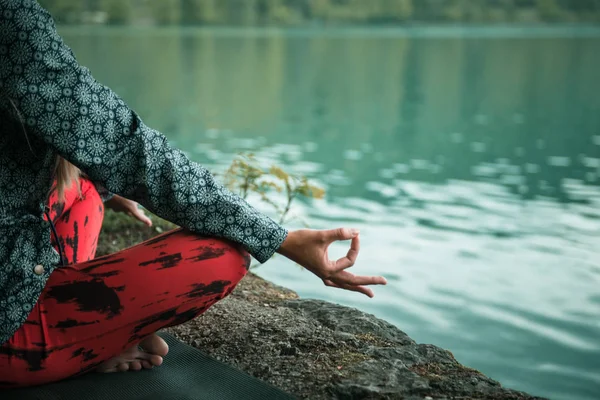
(319, 350)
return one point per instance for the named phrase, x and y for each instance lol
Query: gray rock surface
(319, 350)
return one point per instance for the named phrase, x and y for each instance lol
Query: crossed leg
(93, 315)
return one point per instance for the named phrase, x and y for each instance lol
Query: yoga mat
(186, 374)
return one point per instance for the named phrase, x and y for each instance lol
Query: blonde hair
(65, 174)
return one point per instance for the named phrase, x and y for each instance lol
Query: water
(471, 165)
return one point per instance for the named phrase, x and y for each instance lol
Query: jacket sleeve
(89, 125)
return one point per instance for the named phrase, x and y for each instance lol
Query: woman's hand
(309, 249)
(121, 204)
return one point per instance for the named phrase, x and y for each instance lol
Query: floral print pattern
(65, 111)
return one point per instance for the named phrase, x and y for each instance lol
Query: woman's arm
(121, 204)
(89, 125)
(129, 207)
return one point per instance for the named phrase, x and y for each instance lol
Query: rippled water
(471, 166)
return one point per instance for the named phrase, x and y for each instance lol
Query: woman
(62, 312)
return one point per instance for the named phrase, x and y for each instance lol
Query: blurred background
(462, 137)
(322, 12)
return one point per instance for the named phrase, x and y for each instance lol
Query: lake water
(469, 159)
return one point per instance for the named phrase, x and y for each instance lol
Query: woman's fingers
(350, 259)
(347, 278)
(361, 289)
(340, 234)
(309, 249)
(137, 213)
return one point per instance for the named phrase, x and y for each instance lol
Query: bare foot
(147, 354)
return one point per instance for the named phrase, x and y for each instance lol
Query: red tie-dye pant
(93, 309)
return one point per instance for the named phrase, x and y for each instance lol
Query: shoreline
(437, 31)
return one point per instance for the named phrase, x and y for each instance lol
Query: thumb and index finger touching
(342, 278)
(340, 234)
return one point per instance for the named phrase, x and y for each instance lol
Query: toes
(154, 344)
(106, 370)
(153, 349)
(156, 360)
(153, 360)
(135, 365)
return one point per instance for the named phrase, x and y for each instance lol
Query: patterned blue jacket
(49, 106)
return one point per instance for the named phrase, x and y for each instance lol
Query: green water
(470, 160)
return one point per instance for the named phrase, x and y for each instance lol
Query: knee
(228, 265)
(247, 259)
(235, 264)
(226, 260)
(243, 259)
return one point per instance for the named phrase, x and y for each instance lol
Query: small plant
(245, 176)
